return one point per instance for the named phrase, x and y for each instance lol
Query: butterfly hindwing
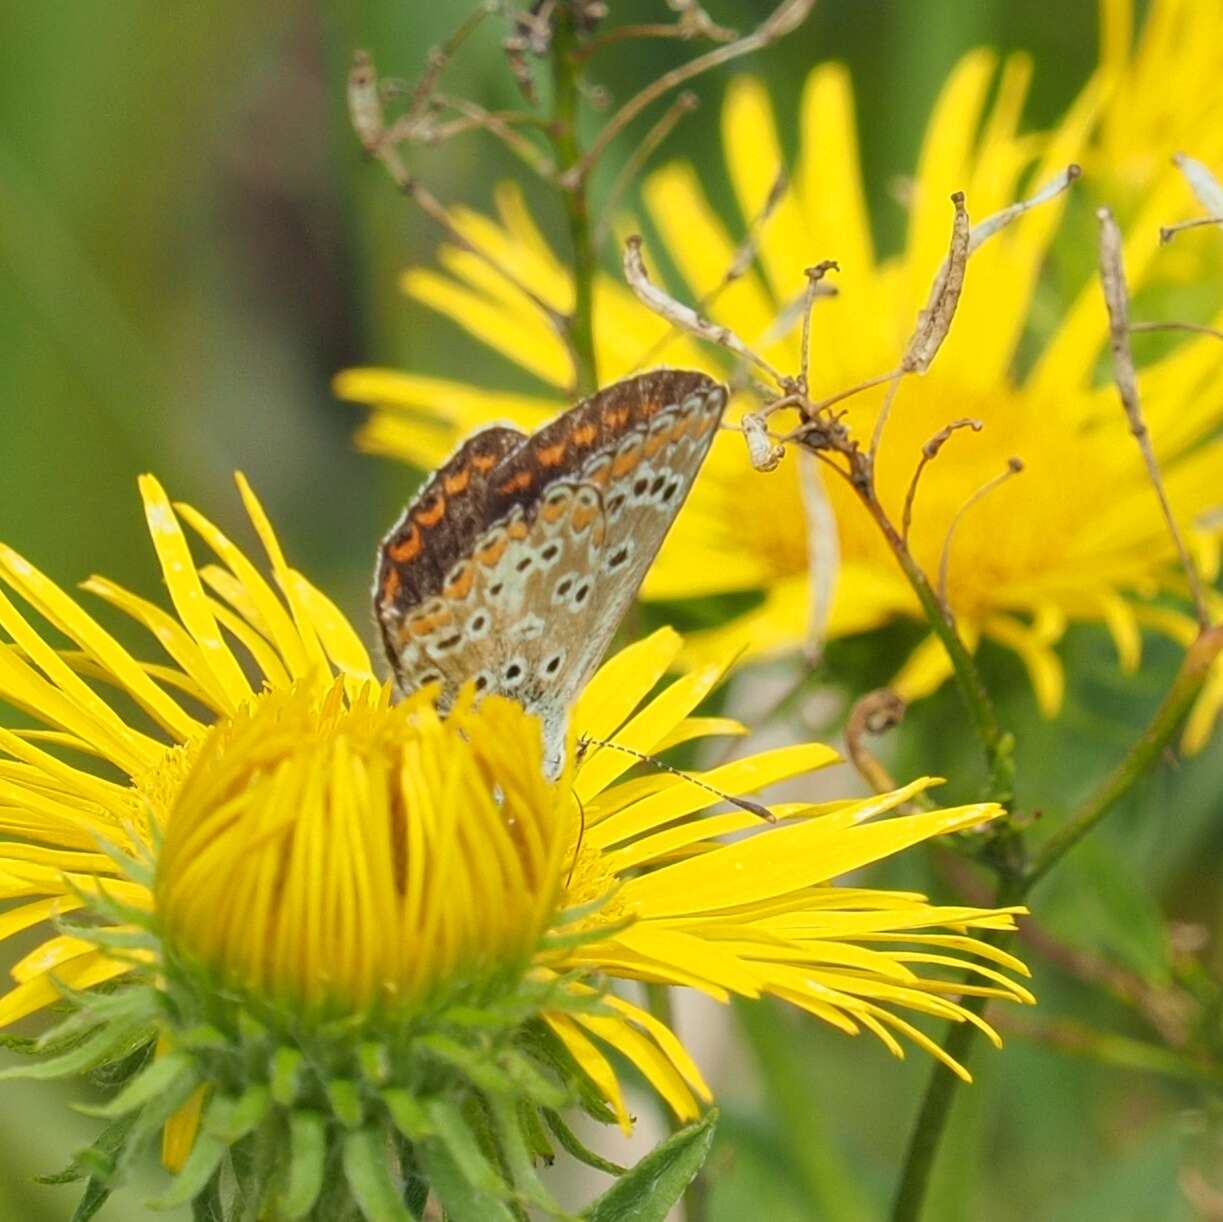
(438, 528)
(574, 515)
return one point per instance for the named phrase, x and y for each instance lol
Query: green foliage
(647, 1191)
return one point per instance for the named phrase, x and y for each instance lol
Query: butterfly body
(515, 564)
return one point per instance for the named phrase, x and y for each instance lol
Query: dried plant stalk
(1116, 297)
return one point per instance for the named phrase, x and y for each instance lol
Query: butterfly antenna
(752, 808)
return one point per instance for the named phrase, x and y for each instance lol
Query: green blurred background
(190, 247)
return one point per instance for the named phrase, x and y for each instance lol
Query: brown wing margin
(596, 424)
(440, 526)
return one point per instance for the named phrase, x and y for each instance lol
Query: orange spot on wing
(583, 515)
(599, 474)
(554, 455)
(456, 483)
(493, 550)
(624, 463)
(517, 483)
(407, 548)
(517, 529)
(484, 462)
(617, 418)
(431, 515)
(391, 584)
(584, 435)
(460, 587)
(655, 442)
(553, 511)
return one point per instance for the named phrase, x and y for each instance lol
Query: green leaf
(286, 1076)
(96, 1195)
(307, 1164)
(463, 1148)
(198, 1170)
(365, 1159)
(533, 1131)
(208, 1206)
(101, 1153)
(345, 1100)
(656, 1183)
(232, 1119)
(165, 1074)
(572, 1144)
(532, 1082)
(476, 1065)
(407, 1114)
(527, 1184)
(462, 1200)
(91, 1051)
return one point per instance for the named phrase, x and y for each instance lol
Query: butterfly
(519, 557)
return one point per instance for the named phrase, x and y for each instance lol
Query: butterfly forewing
(570, 519)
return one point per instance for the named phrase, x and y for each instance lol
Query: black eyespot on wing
(618, 559)
(512, 671)
(579, 595)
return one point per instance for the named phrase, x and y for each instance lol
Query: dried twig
(1013, 467)
(814, 277)
(683, 316)
(685, 104)
(1195, 328)
(872, 714)
(928, 453)
(502, 125)
(1207, 191)
(740, 261)
(1116, 297)
(823, 554)
(787, 17)
(369, 123)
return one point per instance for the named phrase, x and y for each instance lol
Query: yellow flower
(349, 855)
(1076, 537)
(317, 845)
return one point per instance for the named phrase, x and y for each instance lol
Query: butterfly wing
(575, 515)
(437, 529)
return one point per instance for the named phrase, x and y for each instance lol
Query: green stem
(565, 69)
(1141, 757)
(696, 1202)
(997, 742)
(935, 1109)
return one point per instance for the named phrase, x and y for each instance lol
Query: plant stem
(997, 742)
(935, 1108)
(580, 323)
(1141, 756)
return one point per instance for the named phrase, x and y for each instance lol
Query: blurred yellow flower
(309, 841)
(1076, 537)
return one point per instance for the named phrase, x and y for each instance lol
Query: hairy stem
(1141, 757)
(997, 742)
(935, 1108)
(577, 207)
